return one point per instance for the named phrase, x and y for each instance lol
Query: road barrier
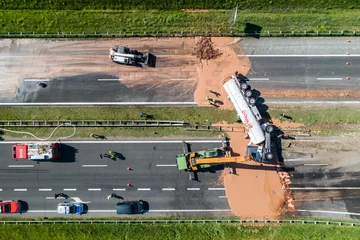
(178, 34)
(185, 221)
(92, 123)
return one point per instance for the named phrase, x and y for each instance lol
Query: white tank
(244, 111)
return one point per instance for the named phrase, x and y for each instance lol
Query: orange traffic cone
(347, 63)
(129, 169)
(347, 78)
(129, 185)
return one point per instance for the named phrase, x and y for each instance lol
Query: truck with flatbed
(36, 151)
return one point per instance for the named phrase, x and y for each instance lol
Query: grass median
(326, 121)
(151, 21)
(177, 231)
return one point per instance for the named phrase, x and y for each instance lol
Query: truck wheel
(269, 128)
(252, 101)
(269, 156)
(244, 86)
(248, 93)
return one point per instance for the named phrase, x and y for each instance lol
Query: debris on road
(204, 49)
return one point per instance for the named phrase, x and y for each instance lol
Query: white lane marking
(166, 165)
(324, 188)
(0, 190)
(215, 189)
(182, 79)
(259, 79)
(20, 189)
(329, 79)
(19, 166)
(109, 79)
(301, 55)
(192, 210)
(144, 189)
(45, 190)
(297, 159)
(154, 210)
(316, 164)
(79, 200)
(36, 80)
(69, 189)
(94, 189)
(168, 189)
(331, 212)
(193, 189)
(312, 102)
(119, 189)
(314, 140)
(222, 197)
(58, 198)
(98, 104)
(94, 165)
(131, 142)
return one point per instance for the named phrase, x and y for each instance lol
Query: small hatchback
(70, 208)
(130, 207)
(10, 206)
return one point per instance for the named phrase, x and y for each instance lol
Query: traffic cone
(347, 63)
(347, 78)
(129, 185)
(347, 53)
(348, 40)
(129, 169)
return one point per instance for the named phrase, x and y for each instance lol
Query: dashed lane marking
(215, 189)
(94, 189)
(166, 165)
(20, 166)
(69, 189)
(329, 79)
(259, 79)
(316, 164)
(94, 165)
(45, 189)
(144, 189)
(109, 79)
(20, 189)
(168, 189)
(119, 189)
(222, 197)
(36, 80)
(193, 189)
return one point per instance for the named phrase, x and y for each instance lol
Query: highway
(82, 174)
(72, 76)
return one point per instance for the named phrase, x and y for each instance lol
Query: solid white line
(45, 189)
(329, 79)
(312, 102)
(222, 197)
(302, 55)
(109, 79)
(259, 79)
(144, 189)
(324, 188)
(314, 140)
(331, 212)
(119, 189)
(36, 80)
(154, 210)
(20, 189)
(192, 210)
(182, 79)
(98, 103)
(193, 189)
(131, 142)
(166, 165)
(94, 189)
(94, 165)
(297, 160)
(215, 189)
(69, 189)
(18, 166)
(316, 164)
(168, 189)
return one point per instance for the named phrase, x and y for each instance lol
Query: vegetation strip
(91, 21)
(176, 231)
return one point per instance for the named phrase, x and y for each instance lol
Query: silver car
(70, 208)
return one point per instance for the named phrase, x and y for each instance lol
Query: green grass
(176, 231)
(90, 21)
(176, 5)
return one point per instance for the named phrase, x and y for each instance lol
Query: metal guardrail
(183, 221)
(204, 127)
(92, 123)
(178, 34)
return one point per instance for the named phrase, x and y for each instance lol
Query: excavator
(194, 161)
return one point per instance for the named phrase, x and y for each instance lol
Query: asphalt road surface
(80, 71)
(82, 174)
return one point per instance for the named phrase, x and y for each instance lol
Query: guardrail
(177, 34)
(92, 123)
(183, 221)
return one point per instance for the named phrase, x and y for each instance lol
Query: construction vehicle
(194, 161)
(244, 102)
(36, 151)
(127, 56)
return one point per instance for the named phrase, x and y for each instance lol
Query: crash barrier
(177, 34)
(260, 222)
(91, 123)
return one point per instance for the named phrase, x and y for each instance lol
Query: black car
(131, 207)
